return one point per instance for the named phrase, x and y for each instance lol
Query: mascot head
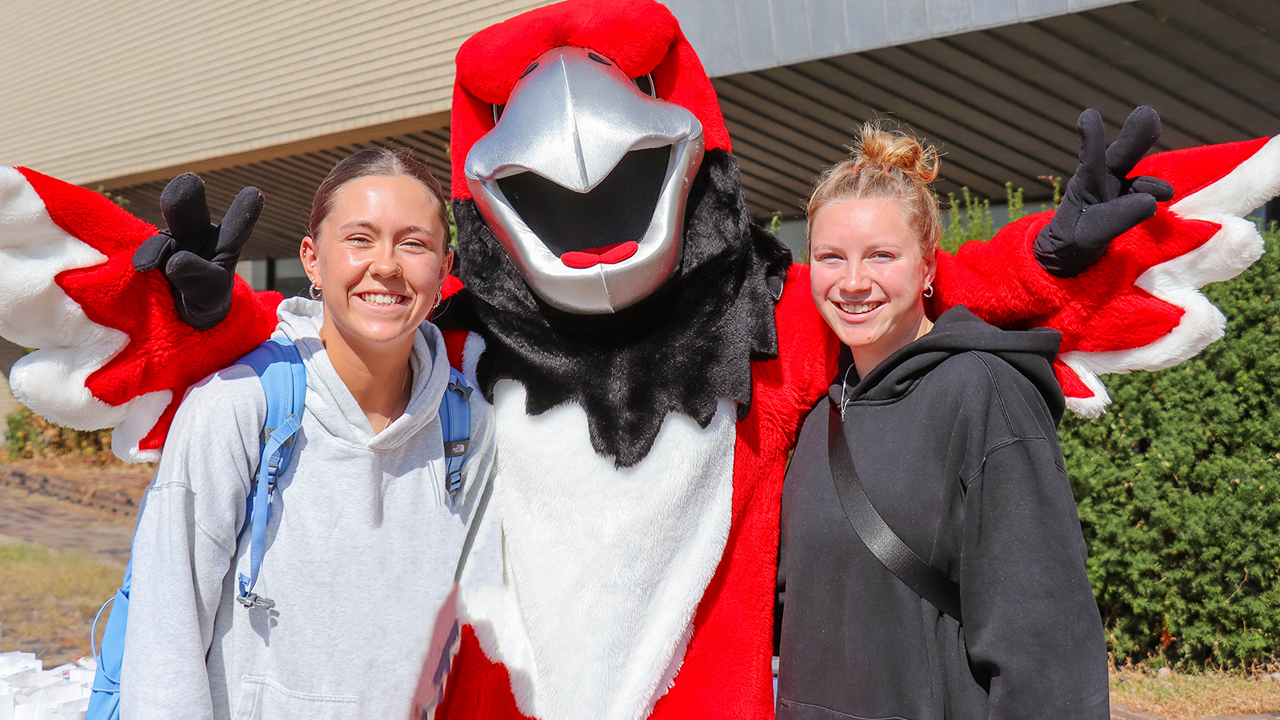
(606, 246)
(578, 130)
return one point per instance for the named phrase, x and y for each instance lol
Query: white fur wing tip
(1089, 408)
(141, 415)
(1096, 404)
(1248, 186)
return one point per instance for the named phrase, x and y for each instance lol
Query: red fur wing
(163, 352)
(1137, 307)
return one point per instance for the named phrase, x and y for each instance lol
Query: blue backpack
(284, 380)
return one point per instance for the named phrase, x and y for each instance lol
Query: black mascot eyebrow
(641, 443)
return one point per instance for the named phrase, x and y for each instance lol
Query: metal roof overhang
(1001, 102)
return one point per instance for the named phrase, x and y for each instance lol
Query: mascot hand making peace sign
(648, 351)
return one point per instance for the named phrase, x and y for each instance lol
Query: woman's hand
(197, 257)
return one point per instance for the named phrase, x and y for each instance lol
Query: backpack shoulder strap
(925, 580)
(104, 696)
(455, 424)
(284, 383)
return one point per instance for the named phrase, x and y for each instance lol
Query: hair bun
(876, 147)
(868, 173)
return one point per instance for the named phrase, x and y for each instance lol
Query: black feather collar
(681, 350)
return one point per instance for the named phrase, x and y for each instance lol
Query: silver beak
(584, 181)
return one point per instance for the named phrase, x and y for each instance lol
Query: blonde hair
(886, 164)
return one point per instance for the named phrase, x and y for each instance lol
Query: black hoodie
(954, 440)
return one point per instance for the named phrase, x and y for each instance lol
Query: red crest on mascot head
(641, 37)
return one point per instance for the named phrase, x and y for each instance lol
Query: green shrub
(972, 223)
(1178, 487)
(28, 435)
(971, 219)
(117, 199)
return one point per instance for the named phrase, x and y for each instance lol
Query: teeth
(859, 308)
(373, 299)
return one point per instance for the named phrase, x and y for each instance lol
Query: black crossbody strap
(876, 534)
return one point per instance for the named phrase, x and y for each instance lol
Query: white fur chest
(603, 567)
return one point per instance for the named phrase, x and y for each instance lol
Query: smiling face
(380, 257)
(868, 273)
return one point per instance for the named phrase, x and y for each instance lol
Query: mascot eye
(645, 83)
(597, 58)
(497, 112)
(532, 66)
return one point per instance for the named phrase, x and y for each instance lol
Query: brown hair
(376, 162)
(886, 164)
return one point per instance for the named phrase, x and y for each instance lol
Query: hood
(1030, 352)
(333, 405)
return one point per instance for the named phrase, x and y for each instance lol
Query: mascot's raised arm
(649, 352)
(117, 348)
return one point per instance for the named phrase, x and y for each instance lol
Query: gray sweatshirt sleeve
(184, 544)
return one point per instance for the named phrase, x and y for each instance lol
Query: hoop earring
(928, 291)
(314, 292)
(439, 299)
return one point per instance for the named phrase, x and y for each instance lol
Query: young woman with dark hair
(363, 541)
(950, 428)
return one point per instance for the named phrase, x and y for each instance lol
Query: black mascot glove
(199, 258)
(1101, 203)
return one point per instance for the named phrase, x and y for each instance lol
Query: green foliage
(974, 223)
(27, 435)
(1013, 198)
(775, 223)
(117, 199)
(1058, 186)
(1178, 488)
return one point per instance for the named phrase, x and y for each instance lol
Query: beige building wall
(121, 93)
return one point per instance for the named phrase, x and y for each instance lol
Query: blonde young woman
(951, 427)
(362, 543)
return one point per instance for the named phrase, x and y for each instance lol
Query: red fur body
(726, 670)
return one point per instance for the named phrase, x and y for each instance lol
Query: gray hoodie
(360, 551)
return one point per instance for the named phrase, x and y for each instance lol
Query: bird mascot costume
(649, 352)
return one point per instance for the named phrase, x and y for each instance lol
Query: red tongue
(606, 255)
